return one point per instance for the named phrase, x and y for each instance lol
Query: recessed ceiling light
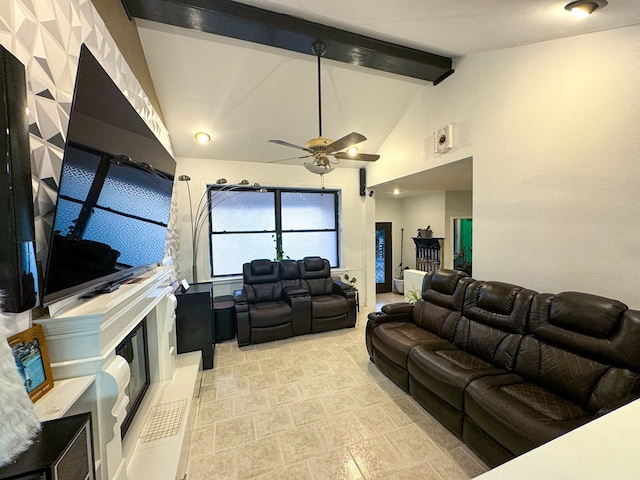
(396, 191)
(203, 137)
(352, 151)
(584, 8)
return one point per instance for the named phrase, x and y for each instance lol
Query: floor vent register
(164, 421)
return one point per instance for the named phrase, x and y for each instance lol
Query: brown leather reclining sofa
(505, 368)
(292, 297)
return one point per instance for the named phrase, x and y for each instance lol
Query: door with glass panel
(383, 257)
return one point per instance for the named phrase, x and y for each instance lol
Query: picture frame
(29, 350)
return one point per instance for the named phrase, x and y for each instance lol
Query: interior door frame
(387, 286)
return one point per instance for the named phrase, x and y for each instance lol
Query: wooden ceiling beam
(253, 24)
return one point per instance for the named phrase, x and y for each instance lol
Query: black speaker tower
(18, 271)
(363, 182)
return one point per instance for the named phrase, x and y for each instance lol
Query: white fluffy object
(18, 422)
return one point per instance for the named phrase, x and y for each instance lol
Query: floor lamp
(212, 196)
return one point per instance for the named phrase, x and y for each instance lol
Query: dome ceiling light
(203, 137)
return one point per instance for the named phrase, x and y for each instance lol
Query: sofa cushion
(325, 306)
(497, 304)
(582, 347)
(442, 297)
(262, 292)
(269, 314)
(289, 270)
(395, 339)
(518, 414)
(493, 319)
(561, 371)
(318, 286)
(446, 370)
(440, 320)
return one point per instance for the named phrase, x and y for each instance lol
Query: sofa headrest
(444, 281)
(261, 267)
(260, 271)
(588, 325)
(499, 305)
(584, 313)
(314, 267)
(445, 288)
(497, 297)
(312, 264)
(289, 270)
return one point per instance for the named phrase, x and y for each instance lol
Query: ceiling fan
(323, 149)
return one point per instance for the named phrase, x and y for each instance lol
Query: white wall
(553, 131)
(354, 223)
(435, 210)
(421, 212)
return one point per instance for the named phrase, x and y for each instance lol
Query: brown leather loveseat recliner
(287, 298)
(505, 368)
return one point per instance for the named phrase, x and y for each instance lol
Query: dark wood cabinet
(63, 449)
(194, 321)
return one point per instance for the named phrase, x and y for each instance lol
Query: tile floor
(314, 407)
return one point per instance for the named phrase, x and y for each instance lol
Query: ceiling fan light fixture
(318, 169)
(584, 8)
(203, 137)
(321, 148)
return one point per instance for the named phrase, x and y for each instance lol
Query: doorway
(463, 245)
(383, 257)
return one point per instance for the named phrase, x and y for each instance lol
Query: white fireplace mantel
(81, 339)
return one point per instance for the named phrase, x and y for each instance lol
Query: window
(247, 225)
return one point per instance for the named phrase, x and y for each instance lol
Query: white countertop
(607, 448)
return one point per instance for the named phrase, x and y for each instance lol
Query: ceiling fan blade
(366, 157)
(290, 158)
(346, 141)
(287, 144)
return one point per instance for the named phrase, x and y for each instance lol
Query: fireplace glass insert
(134, 350)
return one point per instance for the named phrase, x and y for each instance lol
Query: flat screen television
(114, 194)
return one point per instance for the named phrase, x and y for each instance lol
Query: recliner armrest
(240, 299)
(393, 312)
(620, 403)
(343, 285)
(396, 308)
(343, 289)
(295, 291)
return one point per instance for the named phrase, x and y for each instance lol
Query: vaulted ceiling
(245, 93)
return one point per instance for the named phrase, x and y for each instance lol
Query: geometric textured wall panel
(46, 36)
